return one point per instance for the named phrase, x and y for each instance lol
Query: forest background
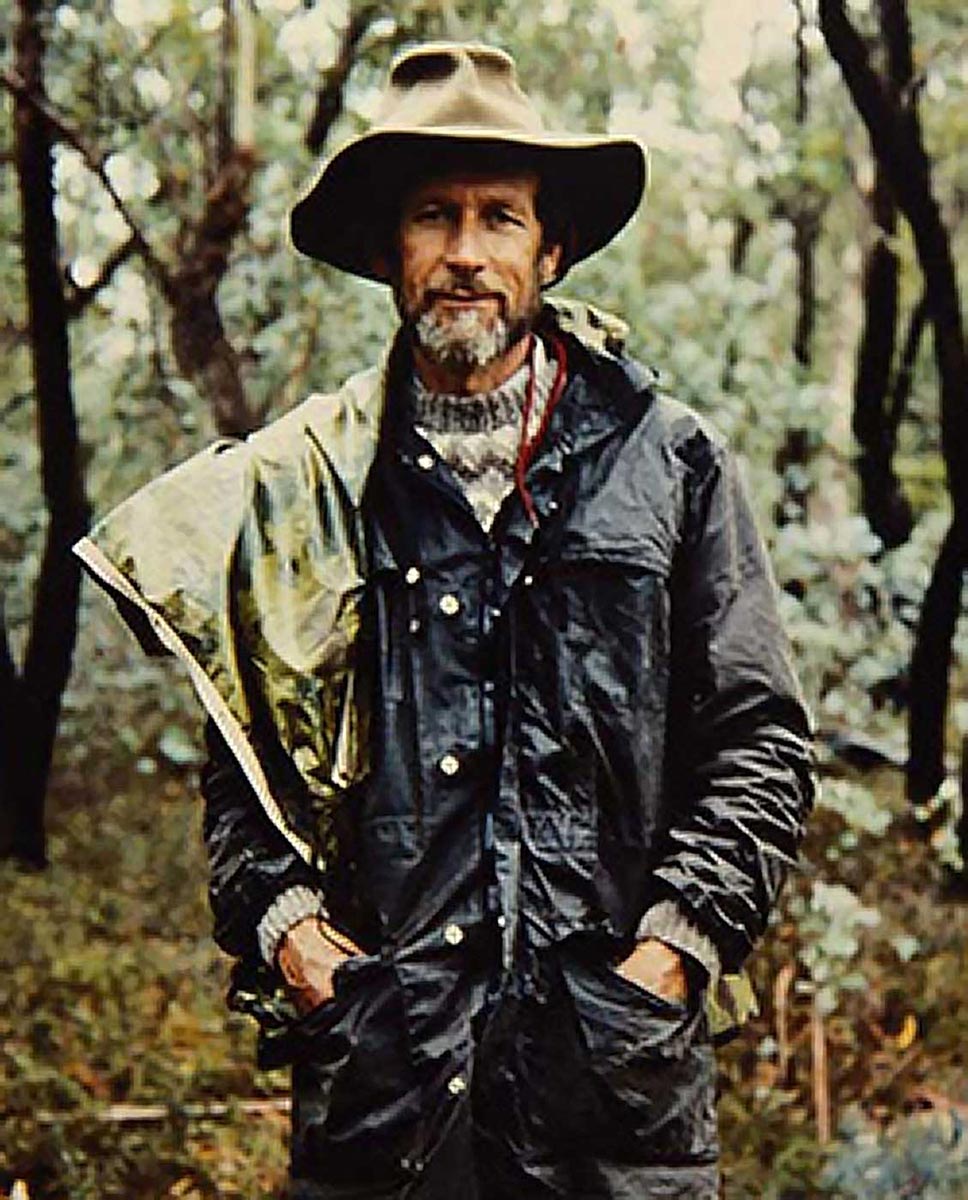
(793, 275)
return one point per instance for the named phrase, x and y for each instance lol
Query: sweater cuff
(666, 922)
(287, 910)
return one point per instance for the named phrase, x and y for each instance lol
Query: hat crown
(447, 105)
(456, 85)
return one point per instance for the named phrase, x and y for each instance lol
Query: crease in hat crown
(447, 98)
(441, 85)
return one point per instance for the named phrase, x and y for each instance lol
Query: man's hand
(658, 968)
(307, 962)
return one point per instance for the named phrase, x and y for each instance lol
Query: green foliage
(924, 1158)
(830, 924)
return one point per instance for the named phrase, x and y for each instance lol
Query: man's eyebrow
(507, 199)
(429, 197)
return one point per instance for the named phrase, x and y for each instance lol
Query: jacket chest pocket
(615, 636)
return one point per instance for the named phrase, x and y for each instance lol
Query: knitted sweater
(478, 436)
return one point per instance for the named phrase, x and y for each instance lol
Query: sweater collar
(482, 412)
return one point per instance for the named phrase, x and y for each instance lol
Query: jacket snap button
(414, 625)
(457, 1085)
(449, 764)
(528, 580)
(413, 575)
(453, 935)
(449, 605)
(425, 462)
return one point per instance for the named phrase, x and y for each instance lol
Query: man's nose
(465, 250)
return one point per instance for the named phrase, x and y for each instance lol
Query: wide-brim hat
(450, 104)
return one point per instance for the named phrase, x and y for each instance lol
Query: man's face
(471, 266)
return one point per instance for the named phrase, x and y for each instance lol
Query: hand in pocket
(659, 969)
(307, 960)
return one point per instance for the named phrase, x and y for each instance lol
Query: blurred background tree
(800, 241)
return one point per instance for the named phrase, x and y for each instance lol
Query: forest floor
(111, 997)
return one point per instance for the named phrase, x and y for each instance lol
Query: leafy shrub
(923, 1157)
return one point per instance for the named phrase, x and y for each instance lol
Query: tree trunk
(33, 698)
(930, 664)
(201, 347)
(202, 350)
(806, 236)
(806, 216)
(874, 424)
(743, 231)
(895, 134)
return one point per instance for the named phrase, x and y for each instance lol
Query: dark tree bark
(804, 210)
(807, 226)
(31, 699)
(895, 133)
(806, 215)
(329, 97)
(876, 417)
(901, 391)
(202, 350)
(874, 424)
(743, 231)
(931, 664)
(8, 701)
(961, 828)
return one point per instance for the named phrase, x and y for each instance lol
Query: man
(508, 762)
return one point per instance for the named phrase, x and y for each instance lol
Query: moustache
(464, 288)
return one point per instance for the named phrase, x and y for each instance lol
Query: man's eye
(430, 212)
(504, 216)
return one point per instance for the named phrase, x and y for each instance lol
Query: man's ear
(549, 261)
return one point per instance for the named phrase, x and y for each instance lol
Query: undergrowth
(111, 995)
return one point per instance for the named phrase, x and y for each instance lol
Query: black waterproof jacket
(571, 722)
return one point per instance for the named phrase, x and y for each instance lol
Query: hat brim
(348, 209)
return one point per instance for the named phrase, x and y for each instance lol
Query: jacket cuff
(666, 922)
(288, 909)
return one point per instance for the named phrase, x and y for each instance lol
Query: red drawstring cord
(527, 446)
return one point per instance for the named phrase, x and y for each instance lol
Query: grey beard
(463, 341)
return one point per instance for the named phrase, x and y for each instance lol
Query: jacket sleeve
(741, 781)
(254, 872)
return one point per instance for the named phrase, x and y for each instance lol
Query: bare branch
(803, 66)
(124, 1114)
(78, 298)
(94, 161)
(330, 97)
(17, 400)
